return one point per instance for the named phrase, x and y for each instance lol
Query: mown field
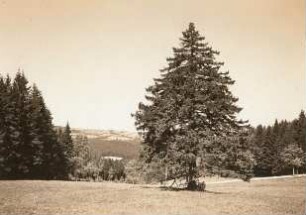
(277, 196)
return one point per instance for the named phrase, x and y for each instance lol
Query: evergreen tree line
(30, 147)
(279, 149)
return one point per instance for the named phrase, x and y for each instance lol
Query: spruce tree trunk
(191, 183)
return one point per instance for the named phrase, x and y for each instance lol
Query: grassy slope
(279, 196)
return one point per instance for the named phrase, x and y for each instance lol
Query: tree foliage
(29, 146)
(93, 166)
(189, 109)
(292, 157)
(276, 147)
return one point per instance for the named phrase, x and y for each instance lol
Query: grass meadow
(276, 196)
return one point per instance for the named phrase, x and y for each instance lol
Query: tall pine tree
(23, 130)
(46, 157)
(9, 135)
(67, 150)
(187, 108)
(301, 131)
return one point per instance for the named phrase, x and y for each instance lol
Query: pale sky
(93, 59)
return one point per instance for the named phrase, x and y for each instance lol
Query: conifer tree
(67, 141)
(45, 139)
(301, 131)
(257, 146)
(23, 131)
(189, 106)
(9, 151)
(67, 152)
(277, 148)
(5, 128)
(2, 127)
(267, 156)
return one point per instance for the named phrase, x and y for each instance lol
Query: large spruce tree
(187, 109)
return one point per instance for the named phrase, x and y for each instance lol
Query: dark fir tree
(187, 108)
(8, 141)
(25, 148)
(256, 141)
(3, 148)
(47, 156)
(67, 141)
(269, 151)
(301, 131)
(276, 138)
(66, 148)
(265, 153)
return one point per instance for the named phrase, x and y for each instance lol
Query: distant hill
(117, 148)
(109, 135)
(111, 143)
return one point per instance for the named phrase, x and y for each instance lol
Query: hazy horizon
(93, 61)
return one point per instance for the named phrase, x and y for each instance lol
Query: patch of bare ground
(277, 196)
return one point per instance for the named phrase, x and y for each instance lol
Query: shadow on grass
(164, 188)
(215, 192)
(176, 189)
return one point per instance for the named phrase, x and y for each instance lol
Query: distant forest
(31, 147)
(279, 149)
(276, 148)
